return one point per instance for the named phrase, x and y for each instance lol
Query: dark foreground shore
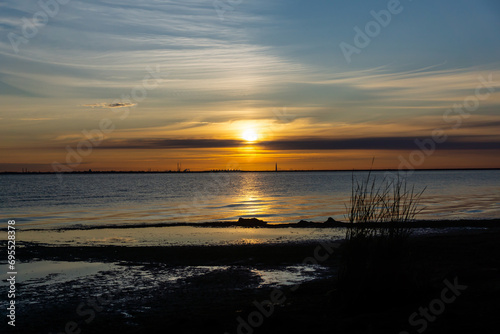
(450, 284)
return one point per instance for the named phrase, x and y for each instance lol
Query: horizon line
(244, 171)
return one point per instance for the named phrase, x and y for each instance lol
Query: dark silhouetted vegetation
(375, 264)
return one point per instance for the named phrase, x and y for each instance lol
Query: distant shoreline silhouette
(242, 171)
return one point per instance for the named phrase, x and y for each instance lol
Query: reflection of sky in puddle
(289, 275)
(47, 272)
(112, 240)
(187, 236)
(180, 235)
(285, 275)
(42, 273)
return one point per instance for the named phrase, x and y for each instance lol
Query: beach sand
(225, 289)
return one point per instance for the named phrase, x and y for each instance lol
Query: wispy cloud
(36, 119)
(226, 75)
(110, 105)
(116, 40)
(425, 87)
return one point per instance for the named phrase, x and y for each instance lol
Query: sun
(250, 135)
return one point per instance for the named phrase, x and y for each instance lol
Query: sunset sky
(139, 85)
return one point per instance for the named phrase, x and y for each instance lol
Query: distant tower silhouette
(276, 167)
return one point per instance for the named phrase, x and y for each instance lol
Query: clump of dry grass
(375, 255)
(391, 202)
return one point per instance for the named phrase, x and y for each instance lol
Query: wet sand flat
(218, 289)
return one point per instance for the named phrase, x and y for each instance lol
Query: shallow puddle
(49, 272)
(289, 275)
(37, 273)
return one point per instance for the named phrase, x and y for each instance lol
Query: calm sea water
(44, 201)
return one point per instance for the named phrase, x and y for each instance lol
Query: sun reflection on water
(247, 241)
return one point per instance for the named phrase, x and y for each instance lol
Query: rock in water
(251, 222)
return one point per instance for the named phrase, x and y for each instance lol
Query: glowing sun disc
(250, 135)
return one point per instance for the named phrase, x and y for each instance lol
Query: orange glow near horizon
(247, 144)
(251, 157)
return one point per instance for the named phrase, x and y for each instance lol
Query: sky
(245, 84)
